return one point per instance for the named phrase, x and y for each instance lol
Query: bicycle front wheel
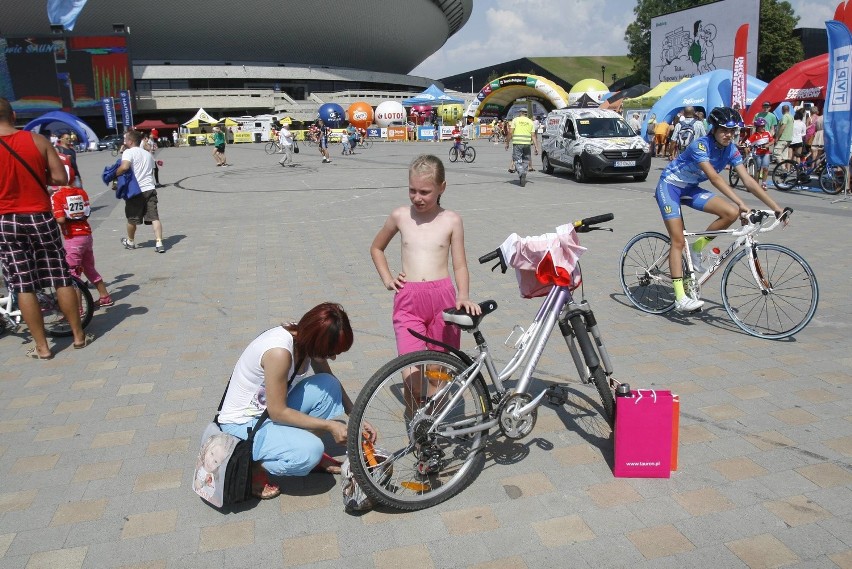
(832, 180)
(425, 461)
(271, 147)
(366, 144)
(454, 154)
(645, 274)
(55, 324)
(469, 154)
(733, 177)
(785, 176)
(781, 303)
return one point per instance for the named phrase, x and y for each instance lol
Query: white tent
(200, 117)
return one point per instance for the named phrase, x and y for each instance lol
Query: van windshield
(604, 128)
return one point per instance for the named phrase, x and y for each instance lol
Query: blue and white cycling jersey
(684, 171)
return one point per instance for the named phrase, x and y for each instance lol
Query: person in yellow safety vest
(521, 136)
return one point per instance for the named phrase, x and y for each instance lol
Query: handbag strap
(41, 183)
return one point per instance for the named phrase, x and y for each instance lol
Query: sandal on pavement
(33, 353)
(260, 486)
(87, 339)
(328, 464)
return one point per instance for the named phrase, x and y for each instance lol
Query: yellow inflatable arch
(495, 98)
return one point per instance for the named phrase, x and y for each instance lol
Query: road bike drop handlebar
(580, 226)
(754, 219)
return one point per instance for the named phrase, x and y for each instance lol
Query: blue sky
(502, 30)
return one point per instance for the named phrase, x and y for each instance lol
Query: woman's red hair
(324, 331)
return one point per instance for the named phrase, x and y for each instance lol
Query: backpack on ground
(685, 134)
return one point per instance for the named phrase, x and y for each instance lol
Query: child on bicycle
(457, 139)
(760, 143)
(702, 161)
(71, 210)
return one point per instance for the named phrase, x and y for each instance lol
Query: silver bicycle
(432, 410)
(769, 291)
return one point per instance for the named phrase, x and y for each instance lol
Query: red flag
(738, 78)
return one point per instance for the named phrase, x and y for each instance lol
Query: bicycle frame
(13, 317)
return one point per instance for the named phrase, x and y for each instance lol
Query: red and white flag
(738, 78)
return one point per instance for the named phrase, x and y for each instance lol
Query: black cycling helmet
(726, 117)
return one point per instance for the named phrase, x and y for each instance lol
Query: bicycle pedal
(557, 395)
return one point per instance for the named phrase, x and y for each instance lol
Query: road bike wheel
(426, 464)
(454, 154)
(271, 147)
(645, 274)
(785, 176)
(733, 178)
(55, 324)
(469, 154)
(785, 302)
(832, 180)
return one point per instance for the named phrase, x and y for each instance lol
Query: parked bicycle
(790, 173)
(430, 447)
(769, 291)
(55, 324)
(465, 152)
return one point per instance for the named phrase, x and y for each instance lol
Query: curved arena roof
(373, 35)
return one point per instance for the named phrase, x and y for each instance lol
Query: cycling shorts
(669, 197)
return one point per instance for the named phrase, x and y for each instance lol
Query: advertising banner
(425, 133)
(738, 77)
(699, 40)
(40, 74)
(108, 104)
(126, 110)
(374, 132)
(838, 100)
(397, 132)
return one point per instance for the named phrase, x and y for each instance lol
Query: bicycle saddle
(467, 321)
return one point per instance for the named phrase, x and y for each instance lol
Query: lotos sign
(389, 112)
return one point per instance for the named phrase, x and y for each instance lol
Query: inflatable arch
(496, 97)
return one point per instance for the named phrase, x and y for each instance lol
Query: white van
(593, 143)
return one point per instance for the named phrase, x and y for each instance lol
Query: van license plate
(625, 163)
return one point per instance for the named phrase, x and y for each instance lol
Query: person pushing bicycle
(702, 161)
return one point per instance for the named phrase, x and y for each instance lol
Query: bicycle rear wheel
(645, 275)
(366, 144)
(785, 176)
(426, 462)
(832, 180)
(55, 324)
(785, 300)
(469, 154)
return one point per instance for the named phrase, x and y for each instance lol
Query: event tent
(616, 100)
(708, 90)
(431, 96)
(805, 81)
(200, 117)
(649, 98)
(585, 101)
(156, 123)
(58, 120)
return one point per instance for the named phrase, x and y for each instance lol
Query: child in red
(71, 209)
(457, 138)
(761, 142)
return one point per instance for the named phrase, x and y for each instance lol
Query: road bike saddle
(467, 321)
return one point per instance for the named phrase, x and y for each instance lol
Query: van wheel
(579, 174)
(641, 177)
(546, 165)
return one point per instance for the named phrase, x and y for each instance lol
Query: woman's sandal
(33, 353)
(87, 339)
(260, 486)
(328, 464)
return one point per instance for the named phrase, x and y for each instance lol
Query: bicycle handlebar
(756, 217)
(580, 226)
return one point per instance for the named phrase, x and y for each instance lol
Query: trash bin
(257, 137)
(192, 140)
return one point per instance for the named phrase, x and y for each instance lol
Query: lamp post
(471, 85)
(603, 73)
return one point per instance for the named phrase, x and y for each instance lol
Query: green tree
(776, 48)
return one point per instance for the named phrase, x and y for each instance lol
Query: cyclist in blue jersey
(699, 162)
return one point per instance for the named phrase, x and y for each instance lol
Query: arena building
(240, 57)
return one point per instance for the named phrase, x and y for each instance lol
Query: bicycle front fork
(580, 329)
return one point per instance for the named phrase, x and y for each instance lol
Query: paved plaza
(97, 446)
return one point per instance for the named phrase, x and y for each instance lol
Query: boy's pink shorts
(419, 306)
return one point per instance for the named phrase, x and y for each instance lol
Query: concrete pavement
(98, 445)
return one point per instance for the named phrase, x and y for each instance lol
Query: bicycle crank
(513, 424)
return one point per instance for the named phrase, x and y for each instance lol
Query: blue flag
(64, 12)
(837, 115)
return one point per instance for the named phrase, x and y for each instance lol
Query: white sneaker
(687, 304)
(697, 265)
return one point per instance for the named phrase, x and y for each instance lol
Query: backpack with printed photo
(685, 134)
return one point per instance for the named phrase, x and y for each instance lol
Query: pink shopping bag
(643, 434)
